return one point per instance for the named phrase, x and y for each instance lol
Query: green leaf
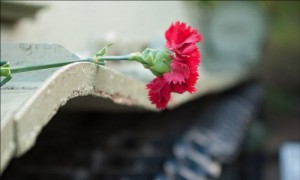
(4, 63)
(5, 80)
(103, 51)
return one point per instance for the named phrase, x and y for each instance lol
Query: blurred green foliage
(284, 24)
(284, 21)
(279, 100)
(280, 65)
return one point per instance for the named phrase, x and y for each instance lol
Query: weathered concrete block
(31, 99)
(34, 97)
(8, 144)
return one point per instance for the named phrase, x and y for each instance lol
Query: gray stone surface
(31, 99)
(8, 145)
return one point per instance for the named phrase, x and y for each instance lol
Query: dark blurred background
(276, 110)
(279, 73)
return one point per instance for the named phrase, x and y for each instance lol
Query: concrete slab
(31, 99)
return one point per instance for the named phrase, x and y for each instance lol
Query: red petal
(179, 34)
(191, 82)
(188, 49)
(181, 39)
(159, 92)
(180, 72)
(179, 88)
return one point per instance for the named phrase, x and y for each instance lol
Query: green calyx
(156, 60)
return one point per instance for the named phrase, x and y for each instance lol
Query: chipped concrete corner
(31, 99)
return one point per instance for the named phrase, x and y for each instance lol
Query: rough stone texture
(193, 141)
(8, 145)
(31, 99)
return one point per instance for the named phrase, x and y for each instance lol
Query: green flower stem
(47, 66)
(112, 58)
(5, 80)
(100, 60)
(130, 57)
(44, 66)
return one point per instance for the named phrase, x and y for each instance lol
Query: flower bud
(156, 60)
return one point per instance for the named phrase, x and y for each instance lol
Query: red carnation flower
(181, 41)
